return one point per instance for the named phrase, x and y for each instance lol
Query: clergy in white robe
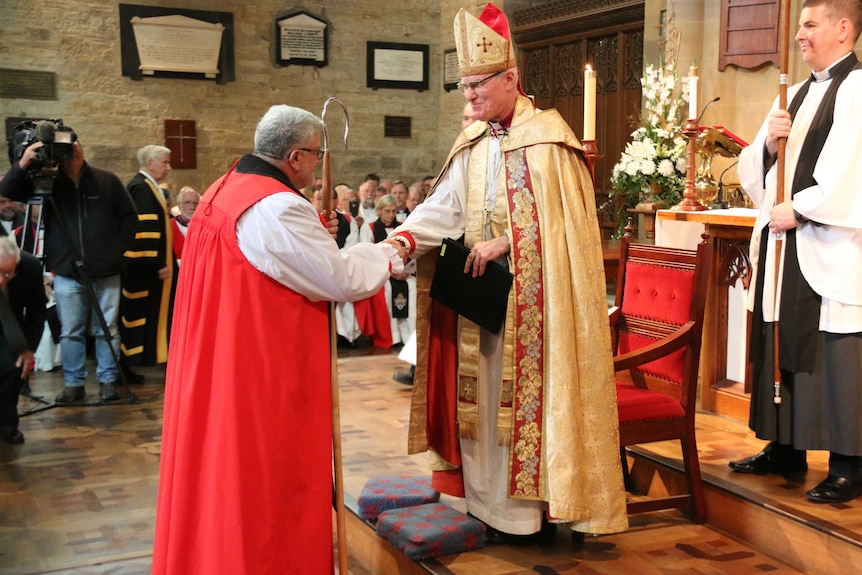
(817, 301)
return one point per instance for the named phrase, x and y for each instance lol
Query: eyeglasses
(318, 152)
(189, 203)
(462, 87)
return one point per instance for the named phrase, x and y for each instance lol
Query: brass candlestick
(689, 201)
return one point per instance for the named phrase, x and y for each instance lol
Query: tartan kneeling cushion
(430, 530)
(394, 491)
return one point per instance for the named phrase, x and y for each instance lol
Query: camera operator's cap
(484, 45)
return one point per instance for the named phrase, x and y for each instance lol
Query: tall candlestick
(589, 103)
(692, 92)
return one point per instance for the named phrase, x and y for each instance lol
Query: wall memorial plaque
(178, 44)
(451, 70)
(403, 66)
(397, 126)
(28, 84)
(301, 39)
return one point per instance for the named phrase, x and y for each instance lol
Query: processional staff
(341, 524)
(784, 50)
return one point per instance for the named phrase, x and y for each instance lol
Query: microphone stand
(720, 203)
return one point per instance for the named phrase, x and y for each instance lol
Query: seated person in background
(399, 190)
(401, 289)
(187, 201)
(11, 216)
(367, 192)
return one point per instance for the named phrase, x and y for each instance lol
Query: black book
(482, 299)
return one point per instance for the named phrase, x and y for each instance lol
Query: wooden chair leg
(695, 483)
(627, 479)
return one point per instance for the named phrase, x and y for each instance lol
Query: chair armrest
(613, 315)
(665, 346)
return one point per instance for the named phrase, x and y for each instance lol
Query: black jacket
(27, 300)
(98, 214)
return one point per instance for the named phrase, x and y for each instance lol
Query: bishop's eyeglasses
(462, 86)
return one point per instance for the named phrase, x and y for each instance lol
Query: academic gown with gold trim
(147, 301)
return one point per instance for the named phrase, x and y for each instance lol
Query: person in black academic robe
(149, 278)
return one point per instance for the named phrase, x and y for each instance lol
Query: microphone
(45, 131)
(720, 203)
(703, 110)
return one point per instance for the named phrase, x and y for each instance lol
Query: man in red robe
(246, 483)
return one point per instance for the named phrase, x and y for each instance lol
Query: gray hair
(283, 129)
(187, 190)
(151, 152)
(9, 249)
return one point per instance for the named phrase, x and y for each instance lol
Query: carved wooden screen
(554, 75)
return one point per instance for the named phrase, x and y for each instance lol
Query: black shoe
(13, 436)
(545, 534)
(405, 377)
(70, 394)
(775, 458)
(108, 391)
(835, 489)
(131, 376)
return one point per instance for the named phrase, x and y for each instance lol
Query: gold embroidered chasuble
(558, 410)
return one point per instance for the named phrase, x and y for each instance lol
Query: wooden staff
(784, 50)
(340, 519)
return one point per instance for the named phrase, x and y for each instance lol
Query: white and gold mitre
(484, 45)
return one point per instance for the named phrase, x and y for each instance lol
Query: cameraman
(93, 206)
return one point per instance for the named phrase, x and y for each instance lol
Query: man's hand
(29, 155)
(401, 276)
(25, 362)
(164, 273)
(484, 252)
(782, 218)
(331, 219)
(778, 126)
(399, 247)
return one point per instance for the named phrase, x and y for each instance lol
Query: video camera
(58, 140)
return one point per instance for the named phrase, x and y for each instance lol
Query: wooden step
(810, 537)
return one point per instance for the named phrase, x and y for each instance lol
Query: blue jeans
(73, 307)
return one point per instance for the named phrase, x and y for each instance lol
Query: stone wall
(114, 115)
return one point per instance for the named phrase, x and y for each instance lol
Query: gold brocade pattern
(529, 368)
(469, 386)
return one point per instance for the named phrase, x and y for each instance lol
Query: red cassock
(245, 484)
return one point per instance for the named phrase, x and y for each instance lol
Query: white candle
(692, 93)
(589, 103)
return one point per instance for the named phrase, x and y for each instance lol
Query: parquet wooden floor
(79, 495)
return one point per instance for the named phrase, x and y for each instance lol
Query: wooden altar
(724, 375)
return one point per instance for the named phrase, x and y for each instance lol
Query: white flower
(681, 165)
(665, 167)
(647, 167)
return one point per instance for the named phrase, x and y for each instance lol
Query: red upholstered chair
(656, 332)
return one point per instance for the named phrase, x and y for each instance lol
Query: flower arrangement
(653, 165)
